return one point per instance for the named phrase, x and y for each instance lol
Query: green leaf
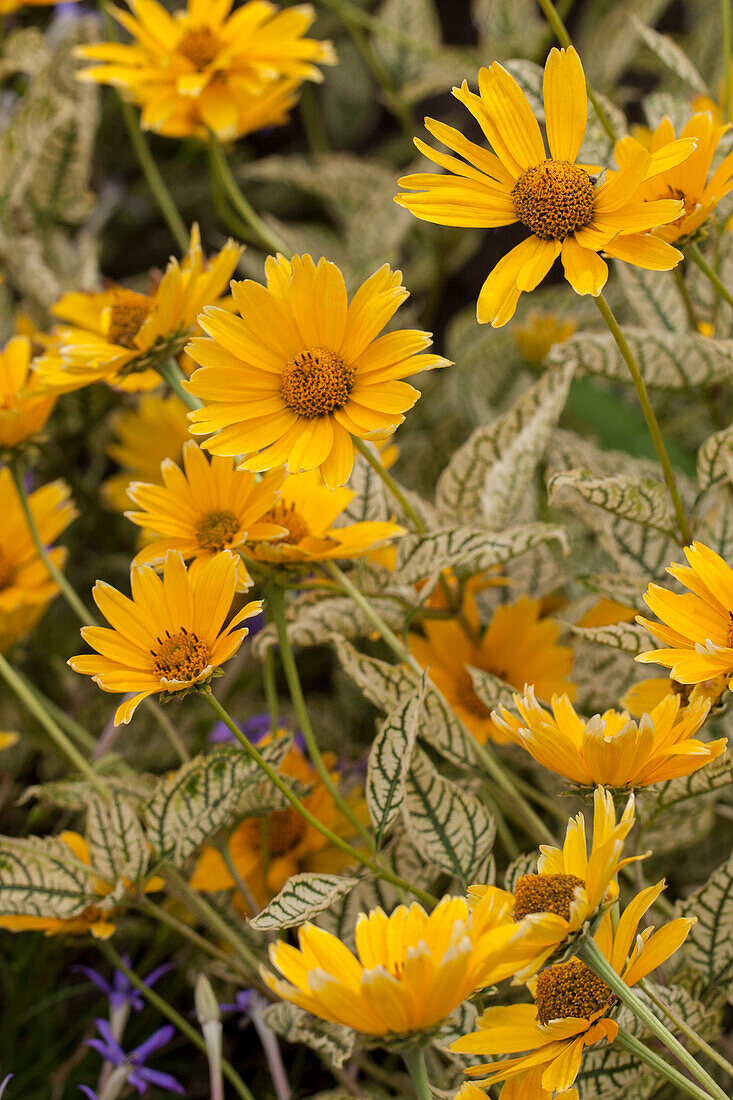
(301, 898)
(411, 19)
(389, 762)
(369, 504)
(715, 458)
(472, 549)
(640, 500)
(526, 864)
(717, 775)
(313, 622)
(709, 947)
(654, 297)
(487, 478)
(74, 794)
(42, 878)
(334, 1042)
(508, 27)
(117, 845)
(491, 690)
(449, 826)
(629, 638)
(671, 55)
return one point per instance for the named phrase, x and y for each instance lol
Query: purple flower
(254, 729)
(120, 990)
(139, 1074)
(241, 1004)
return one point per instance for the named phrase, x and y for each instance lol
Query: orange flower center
(316, 383)
(554, 199)
(129, 311)
(545, 894)
(6, 572)
(570, 989)
(284, 829)
(200, 45)
(182, 656)
(285, 515)
(215, 530)
(467, 697)
(729, 638)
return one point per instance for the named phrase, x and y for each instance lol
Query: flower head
(696, 626)
(410, 971)
(118, 335)
(143, 438)
(693, 181)
(301, 369)
(647, 694)
(24, 405)
(518, 646)
(539, 333)
(611, 748)
(210, 69)
(571, 1005)
(567, 213)
(169, 636)
(139, 1075)
(207, 507)
(120, 991)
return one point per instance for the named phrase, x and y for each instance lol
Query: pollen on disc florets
(316, 383)
(182, 656)
(285, 515)
(544, 894)
(128, 312)
(215, 530)
(285, 829)
(570, 989)
(200, 45)
(554, 199)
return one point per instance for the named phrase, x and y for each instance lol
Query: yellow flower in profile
(518, 646)
(570, 887)
(647, 694)
(207, 507)
(9, 7)
(8, 738)
(26, 586)
(611, 749)
(169, 636)
(118, 335)
(411, 969)
(696, 626)
(207, 68)
(24, 406)
(568, 215)
(302, 369)
(693, 181)
(308, 512)
(539, 333)
(571, 1006)
(143, 438)
(292, 845)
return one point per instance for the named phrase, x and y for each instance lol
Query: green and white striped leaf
(709, 947)
(670, 55)
(74, 794)
(608, 1072)
(487, 478)
(715, 458)
(301, 898)
(630, 638)
(470, 548)
(492, 691)
(526, 864)
(636, 499)
(654, 297)
(41, 877)
(369, 504)
(411, 19)
(668, 360)
(114, 833)
(676, 792)
(389, 762)
(311, 623)
(334, 1042)
(449, 826)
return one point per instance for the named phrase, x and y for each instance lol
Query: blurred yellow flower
(118, 335)
(611, 748)
(9, 7)
(539, 333)
(8, 738)
(647, 694)
(568, 215)
(301, 370)
(169, 636)
(24, 406)
(207, 68)
(143, 438)
(518, 646)
(26, 586)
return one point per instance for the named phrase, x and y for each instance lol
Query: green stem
(155, 181)
(693, 251)
(170, 731)
(368, 454)
(389, 636)
(685, 296)
(84, 615)
(220, 166)
(592, 956)
(686, 1030)
(634, 1046)
(157, 912)
(270, 685)
(275, 601)
(174, 1017)
(171, 373)
(414, 1059)
(651, 421)
(55, 732)
(311, 116)
(726, 36)
(342, 845)
(180, 888)
(239, 882)
(82, 736)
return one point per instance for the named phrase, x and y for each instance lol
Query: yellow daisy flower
(571, 1006)
(24, 406)
(207, 507)
(696, 626)
(301, 370)
(570, 886)
(8, 738)
(293, 846)
(612, 749)
(143, 438)
(518, 646)
(9, 7)
(539, 333)
(169, 636)
(687, 181)
(208, 68)
(410, 971)
(567, 213)
(647, 694)
(308, 512)
(26, 586)
(118, 335)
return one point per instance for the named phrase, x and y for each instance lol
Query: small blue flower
(241, 1004)
(120, 990)
(254, 729)
(140, 1076)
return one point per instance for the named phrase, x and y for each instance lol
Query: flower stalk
(415, 1061)
(710, 273)
(221, 168)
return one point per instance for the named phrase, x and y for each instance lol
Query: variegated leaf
(654, 297)
(389, 762)
(301, 898)
(662, 797)
(715, 458)
(636, 499)
(415, 21)
(313, 623)
(291, 1023)
(492, 691)
(671, 55)
(709, 947)
(41, 877)
(525, 864)
(668, 360)
(630, 638)
(470, 548)
(114, 833)
(74, 794)
(369, 504)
